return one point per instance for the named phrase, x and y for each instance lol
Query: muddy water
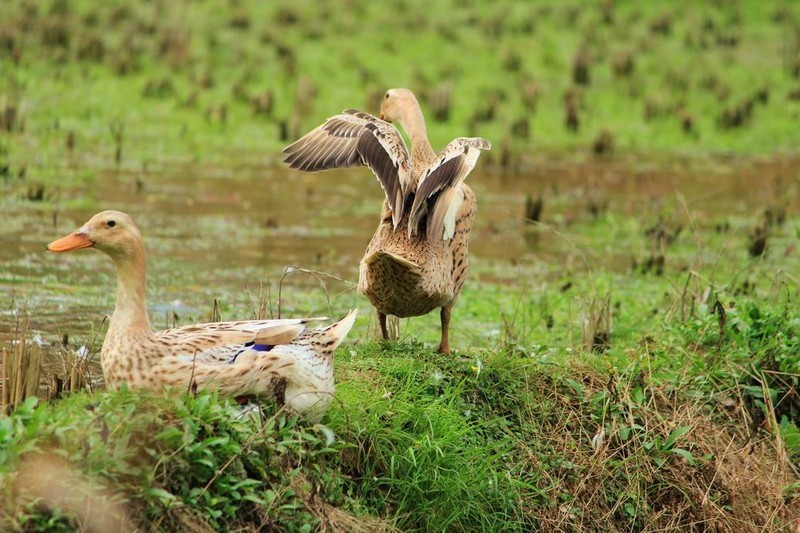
(216, 226)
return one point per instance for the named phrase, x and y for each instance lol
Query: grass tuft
(21, 368)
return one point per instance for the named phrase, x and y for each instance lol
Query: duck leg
(382, 322)
(444, 345)
(390, 331)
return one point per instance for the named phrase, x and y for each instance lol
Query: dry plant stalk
(22, 367)
(216, 311)
(75, 369)
(318, 275)
(264, 308)
(596, 324)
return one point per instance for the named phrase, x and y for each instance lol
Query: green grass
(506, 440)
(164, 462)
(526, 429)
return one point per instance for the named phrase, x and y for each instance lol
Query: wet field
(229, 233)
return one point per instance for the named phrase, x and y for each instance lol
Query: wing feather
(452, 166)
(221, 342)
(354, 139)
(442, 221)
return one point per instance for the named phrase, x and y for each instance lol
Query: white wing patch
(450, 216)
(452, 166)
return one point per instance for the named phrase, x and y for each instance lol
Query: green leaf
(576, 386)
(216, 441)
(638, 396)
(246, 483)
(686, 454)
(630, 510)
(169, 433)
(676, 434)
(164, 496)
(205, 462)
(255, 499)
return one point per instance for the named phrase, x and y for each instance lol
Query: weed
(596, 324)
(117, 129)
(572, 104)
(604, 143)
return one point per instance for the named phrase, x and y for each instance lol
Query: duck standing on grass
(418, 258)
(243, 358)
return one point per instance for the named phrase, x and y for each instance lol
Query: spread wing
(354, 139)
(444, 176)
(223, 342)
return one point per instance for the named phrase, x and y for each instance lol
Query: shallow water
(210, 230)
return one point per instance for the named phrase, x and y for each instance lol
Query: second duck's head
(111, 232)
(396, 105)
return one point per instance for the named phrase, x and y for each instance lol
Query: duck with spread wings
(417, 259)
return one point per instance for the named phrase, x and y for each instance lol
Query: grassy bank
(685, 424)
(687, 427)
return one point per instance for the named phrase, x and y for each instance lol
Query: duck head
(396, 105)
(111, 232)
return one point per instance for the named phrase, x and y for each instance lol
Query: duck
(278, 357)
(418, 258)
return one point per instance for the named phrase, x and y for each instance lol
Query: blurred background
(604, 76)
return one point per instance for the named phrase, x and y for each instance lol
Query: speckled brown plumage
(240, 358)
(418, 257)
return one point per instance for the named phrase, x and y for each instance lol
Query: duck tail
(392, 262)
(332, 336)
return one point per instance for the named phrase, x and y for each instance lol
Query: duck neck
(130, 312)
(414, 124)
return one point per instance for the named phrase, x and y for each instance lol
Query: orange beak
(73, 241)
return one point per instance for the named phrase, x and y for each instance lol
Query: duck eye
(111, 223)
(387, 96)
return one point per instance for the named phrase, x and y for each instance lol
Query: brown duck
(418, 258)
(242, 358)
